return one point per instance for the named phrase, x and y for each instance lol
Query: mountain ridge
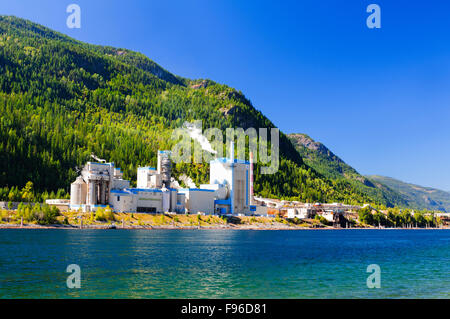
(421, 197)
(322, 159)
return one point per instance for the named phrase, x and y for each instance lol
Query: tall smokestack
(165, 167)
(251, 178)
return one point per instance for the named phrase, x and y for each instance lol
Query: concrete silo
(78, 191)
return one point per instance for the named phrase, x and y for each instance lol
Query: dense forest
(62, 100)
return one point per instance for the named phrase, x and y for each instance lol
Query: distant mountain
(390, 191)
(324, 161)
(417, 196)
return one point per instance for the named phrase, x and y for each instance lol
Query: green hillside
(418, 197)
(324, 161)
(61, 100)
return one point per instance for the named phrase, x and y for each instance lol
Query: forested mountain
(318, 156)
(61, 100)
(418, 197)
(383, 189)
(325, 162)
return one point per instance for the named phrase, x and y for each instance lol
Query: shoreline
(213, 227)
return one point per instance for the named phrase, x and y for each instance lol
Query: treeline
(395, 217)
(42, 214)
(28, 194)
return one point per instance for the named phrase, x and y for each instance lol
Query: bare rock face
(309, 143)
(319, 156)
(202, 84)
(121, 52)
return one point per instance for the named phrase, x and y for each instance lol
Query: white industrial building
(301, 212)
(234, 190)
(93, 187)
(230, 189)
(198, 200)
(328, 211)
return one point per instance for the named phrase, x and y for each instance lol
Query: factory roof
(149, 190)
(79, 180)
(195, 190)
(97, 163)
(227, 160)
(147, 167)
(129, 191)
(119, 191)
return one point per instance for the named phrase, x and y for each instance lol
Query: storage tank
(78, 190)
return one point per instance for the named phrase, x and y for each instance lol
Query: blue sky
(378, 98)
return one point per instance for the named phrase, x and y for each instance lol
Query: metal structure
(165, 167)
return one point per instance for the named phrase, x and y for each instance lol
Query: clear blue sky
(379, 98)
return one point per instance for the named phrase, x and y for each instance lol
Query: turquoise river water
(224, 263)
